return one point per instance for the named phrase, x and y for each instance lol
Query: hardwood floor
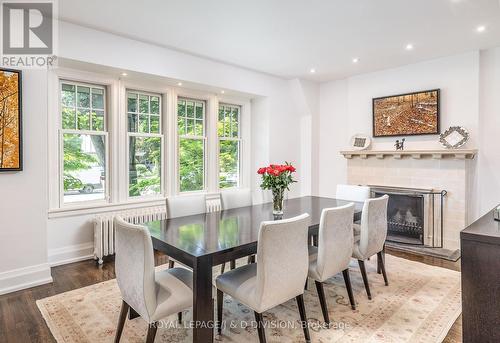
(20, 320)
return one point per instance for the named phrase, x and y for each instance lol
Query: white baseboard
(71, 253)
(22, 278)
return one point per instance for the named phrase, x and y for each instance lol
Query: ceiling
(288, 38)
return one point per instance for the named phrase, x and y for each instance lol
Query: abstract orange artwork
(406, 114)
(10, 120)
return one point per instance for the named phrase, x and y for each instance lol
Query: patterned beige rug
(420, 304)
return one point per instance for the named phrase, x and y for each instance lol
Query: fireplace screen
(405, 218)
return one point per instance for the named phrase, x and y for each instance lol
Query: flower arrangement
(277, 178)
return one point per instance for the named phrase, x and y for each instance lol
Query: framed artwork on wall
(11, 147)
(406, 114)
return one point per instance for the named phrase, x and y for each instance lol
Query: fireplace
(414, 216)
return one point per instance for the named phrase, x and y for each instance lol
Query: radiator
(104, 230)
(213, 203)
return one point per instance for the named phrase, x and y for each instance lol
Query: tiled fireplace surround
(448, 174)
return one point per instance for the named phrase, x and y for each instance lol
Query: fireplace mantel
(460, 154)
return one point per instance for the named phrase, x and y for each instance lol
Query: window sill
(86, 209)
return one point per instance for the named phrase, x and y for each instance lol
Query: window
(191, 131)
(84, 141)
(228, 130)
(144, 144)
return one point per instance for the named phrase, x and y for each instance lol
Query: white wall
(488, 181)
(469, 83)
(23, 216)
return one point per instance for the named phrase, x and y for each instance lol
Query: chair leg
(347, 281)
(322, 301)
(305, 285)
(222, 268)
(233, 264)
(365, 278)
(220, 305)
(303, 317)
(380, 257)
(121, 321)
(379, 271)
(260, 327)
(171, 263)
(179, 317)
(151, 332)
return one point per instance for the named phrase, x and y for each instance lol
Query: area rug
(420, 304)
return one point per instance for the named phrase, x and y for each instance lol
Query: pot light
(179, 83)
(312, 70)
(222, 92)
(124, 74)
(409, 47)
(480, 28)
(355, 60)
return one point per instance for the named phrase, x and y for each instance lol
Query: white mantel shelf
(460, 154)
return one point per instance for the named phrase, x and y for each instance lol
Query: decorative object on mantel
(277, 178)
(360, 141)
(406, 114)
(496, 214)
(459, 154)
(11, 149)
(400, 145)
(454, 137)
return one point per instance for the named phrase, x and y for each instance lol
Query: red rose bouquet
(277, 178)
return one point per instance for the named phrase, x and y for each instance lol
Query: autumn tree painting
(406, 114)
(10, 124)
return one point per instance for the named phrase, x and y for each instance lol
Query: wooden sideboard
(480, 244)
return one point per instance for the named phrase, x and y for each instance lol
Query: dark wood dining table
(206, 240)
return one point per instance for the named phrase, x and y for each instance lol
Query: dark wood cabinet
(480, 244)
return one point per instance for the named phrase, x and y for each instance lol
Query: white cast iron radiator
(104, 231)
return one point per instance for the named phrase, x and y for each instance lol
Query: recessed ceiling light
(312, 71)
(124, 74)
(409, 46)
(222, 91)
(355, 60)
(179, 83)
(480, 28)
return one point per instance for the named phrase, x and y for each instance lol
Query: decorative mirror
(454, 137)
(360, 142)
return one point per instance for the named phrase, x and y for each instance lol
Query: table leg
(203, 306)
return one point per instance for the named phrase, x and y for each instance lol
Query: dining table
(205, 240)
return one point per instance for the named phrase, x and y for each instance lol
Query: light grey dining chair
(278, 276)
(152, 295)
(236, 198)
(333, 253)
(370, 235)
(352, 193)
(188, 205)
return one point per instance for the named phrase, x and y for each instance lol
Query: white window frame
(203, 138)
(63, 131)
(233, 139)
(117, 140)
(160, 135)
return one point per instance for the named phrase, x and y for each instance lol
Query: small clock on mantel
(360, 142)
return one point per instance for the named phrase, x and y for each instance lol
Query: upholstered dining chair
(278, 276)
(352, 193)
(152, 295)
(370, 235)
(236, 198)
(333, 253)
(187, 205)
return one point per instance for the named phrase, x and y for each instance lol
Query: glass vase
(278, 200)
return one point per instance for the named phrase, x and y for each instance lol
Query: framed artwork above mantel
(11, 147)
(407, 114)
